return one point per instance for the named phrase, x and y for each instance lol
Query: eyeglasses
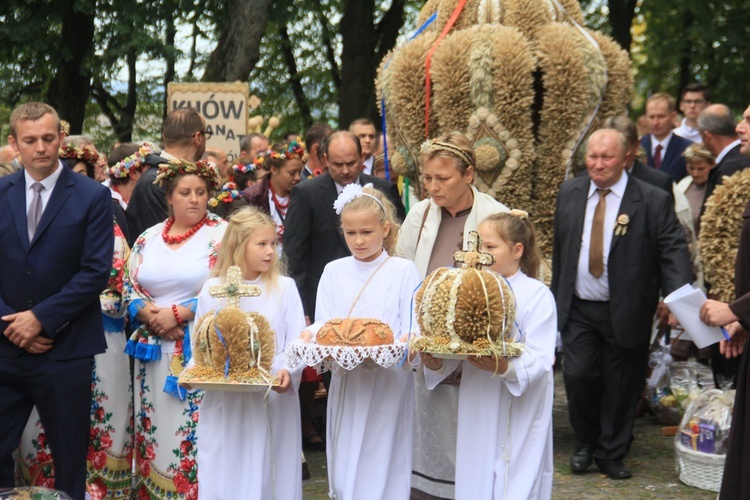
(693, 101)
(205, 134)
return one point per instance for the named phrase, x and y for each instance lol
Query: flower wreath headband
(123, 168)
(295, 150)
(350, 193)
(244, 168)
(201, 168)
(85, 154)
(444, 146)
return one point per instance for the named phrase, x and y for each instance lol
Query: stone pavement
(652, 462)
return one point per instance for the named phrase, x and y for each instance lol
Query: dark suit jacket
(733, 162)
(654, 177)
(672, 161)
(61, 272)
(312, 235)
(148, 203)
(652, 255)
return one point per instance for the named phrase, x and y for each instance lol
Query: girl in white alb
(504, 437)
(370, 410)
(250, 448)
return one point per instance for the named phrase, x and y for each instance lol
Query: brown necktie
(596, 247)
(657, 156)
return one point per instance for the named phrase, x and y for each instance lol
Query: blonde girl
(504, 437)
(370, 410)
(250, 448)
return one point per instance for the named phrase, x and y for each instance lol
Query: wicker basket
(698, 469)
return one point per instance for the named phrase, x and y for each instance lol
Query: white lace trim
(333, 358)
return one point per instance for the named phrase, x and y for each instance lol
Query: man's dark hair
(696, 87)
(625, 126)
(362, 121)
(180, 126)
(316, 133)
(246, 143)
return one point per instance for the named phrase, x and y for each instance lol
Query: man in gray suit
(616, 242)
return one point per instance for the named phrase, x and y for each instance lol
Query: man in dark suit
(616, 242)
(633, 167)
(56, 256)
(663, 147)
(313, 143)
(717, 128)
(312, 235)
(184, 134)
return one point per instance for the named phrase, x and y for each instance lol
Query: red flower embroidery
(143, 493)
(181, 483)
(97, 489)
(194, 416)
(99, 414)
(150, 455)
(42, 440)
(187, 464)
(192, 493)
(146, 424)
(145, 468)
(99, 461)
(185, 447)
(105, 441)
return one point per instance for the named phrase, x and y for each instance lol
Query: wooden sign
(223, 105)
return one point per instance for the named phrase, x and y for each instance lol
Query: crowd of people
(108, 262)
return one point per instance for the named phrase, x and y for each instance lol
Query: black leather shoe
(614, 469)
(581, 459)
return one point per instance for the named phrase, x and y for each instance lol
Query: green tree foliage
(696, 40)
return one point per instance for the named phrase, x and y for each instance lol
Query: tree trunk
(70, 88)
(357, 61)
(238, 48)
(294, 78)
(364, 45)
(621, 14)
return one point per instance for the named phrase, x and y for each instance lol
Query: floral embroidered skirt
(165, 443)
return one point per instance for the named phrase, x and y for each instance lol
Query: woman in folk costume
(284, 162)
(169, 264)
(370, 410)
(250, 445)
(433, 230)
(504, 438)
(109, 460)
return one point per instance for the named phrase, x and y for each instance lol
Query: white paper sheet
(685, 304)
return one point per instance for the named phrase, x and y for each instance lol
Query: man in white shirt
(364, 129)
(664, 148)
(693, 101)
(617, 245)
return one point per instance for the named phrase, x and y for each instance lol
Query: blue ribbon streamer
(224, 342)
(386, 164)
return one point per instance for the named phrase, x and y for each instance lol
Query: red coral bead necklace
(170, 240)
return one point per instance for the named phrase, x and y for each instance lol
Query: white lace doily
(329, 358)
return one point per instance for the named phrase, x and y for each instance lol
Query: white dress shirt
(587, 286)
(724, 151)
(687, 132)
(367, 165)
(48, 183)
(664, 145)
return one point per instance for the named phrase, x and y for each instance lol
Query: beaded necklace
(170, 240)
